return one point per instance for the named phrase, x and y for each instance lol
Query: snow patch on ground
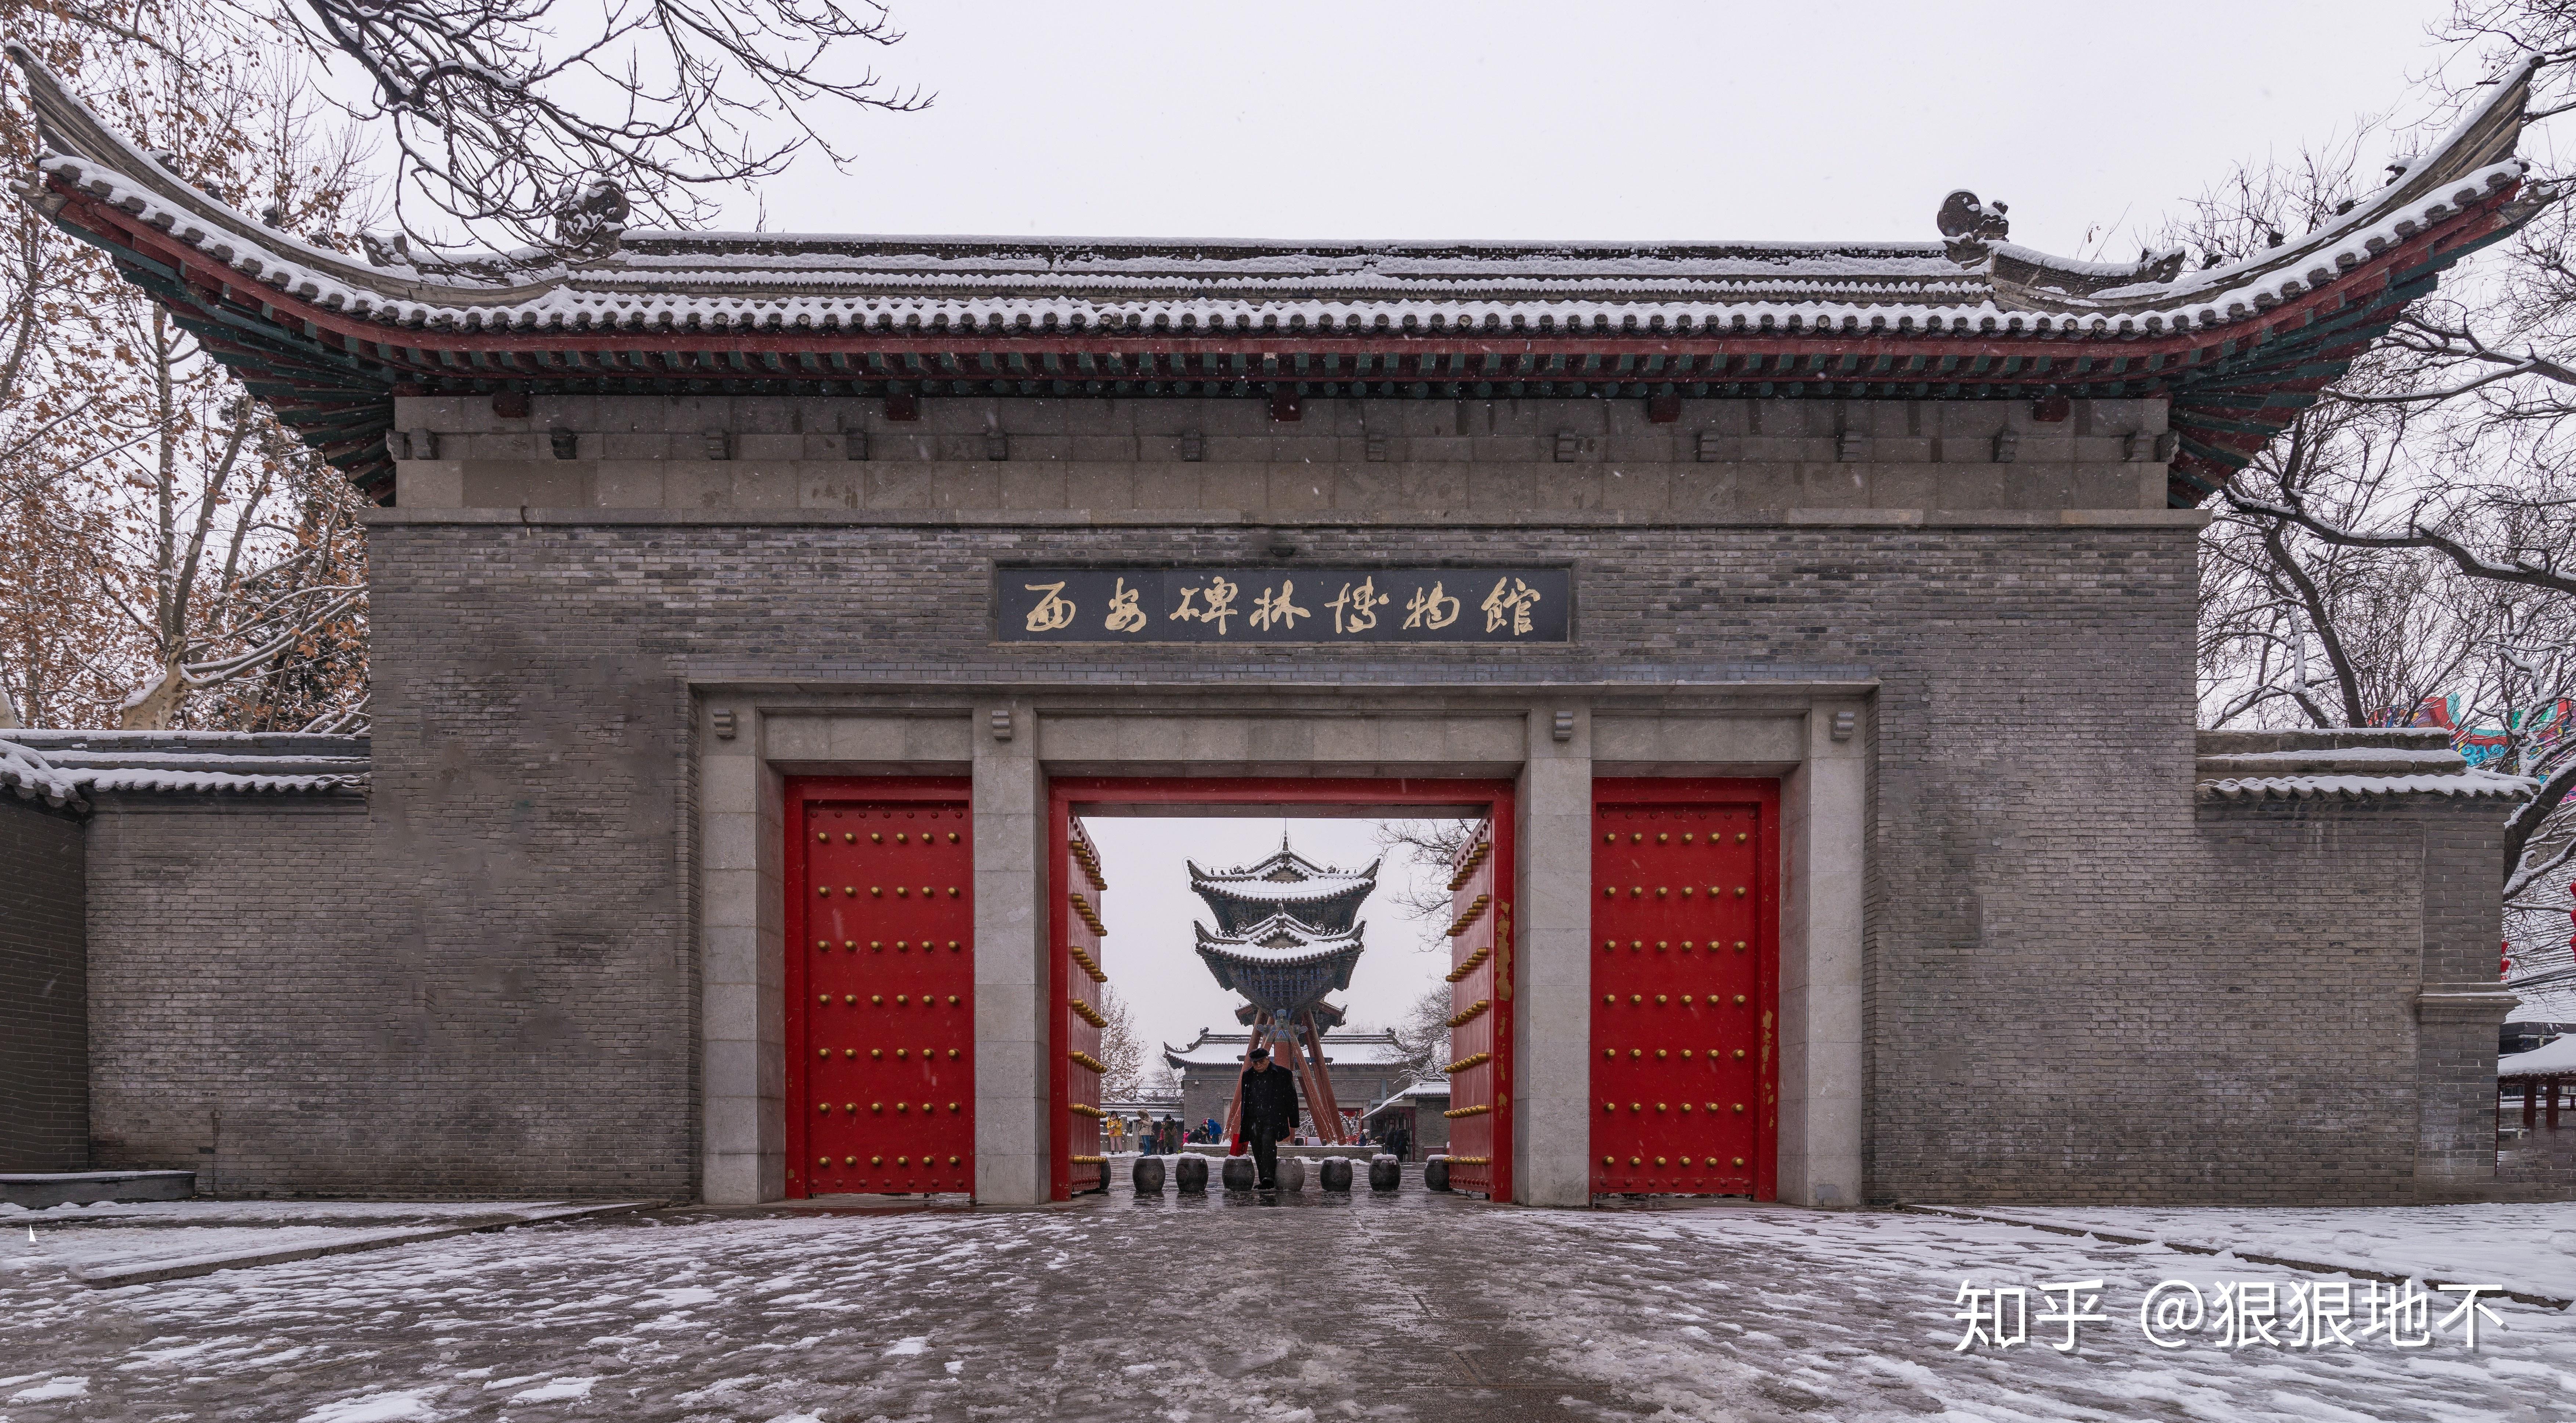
(559, 1389)
(401, 1407)
(51, 1390)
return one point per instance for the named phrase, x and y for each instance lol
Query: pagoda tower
(1286, 934)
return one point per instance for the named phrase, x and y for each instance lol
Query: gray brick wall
(2081, 985)
(44, 969)
(2241, 1029)
(239, 1011)
(2034, 785)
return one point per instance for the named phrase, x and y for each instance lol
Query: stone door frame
(1551, 742)
(1111, 797)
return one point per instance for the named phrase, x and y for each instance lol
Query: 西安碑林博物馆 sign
(1254, 604)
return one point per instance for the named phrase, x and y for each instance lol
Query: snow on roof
(776, 279)
(2384, 759)
(1261, 943)
(1420, 1088)
(2544, 1061)
(1213, 1049)
(33, 777)
(887, 283)
(1090, 315)
(196, 762)
(2458, 785)
(1285, 876)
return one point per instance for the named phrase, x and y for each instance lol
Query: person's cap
(1260, 1054)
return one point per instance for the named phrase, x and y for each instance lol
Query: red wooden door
(1079, 977)
(1480, 1025)
(880, 992)
(1685, 1013)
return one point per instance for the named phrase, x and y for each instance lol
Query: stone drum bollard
(1337, 1175)
(1385, 1174)
(1241, 1174)
(1148, 1175)
(1192, 1175)
(1435, 1174)
(1292, 1173)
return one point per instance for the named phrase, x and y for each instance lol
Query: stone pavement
(1290, 1310)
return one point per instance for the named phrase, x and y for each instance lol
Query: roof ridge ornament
(1972, 226)
(591, 218)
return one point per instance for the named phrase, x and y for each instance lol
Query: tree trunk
(155, 709)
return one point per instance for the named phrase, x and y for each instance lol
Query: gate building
(1812, 626)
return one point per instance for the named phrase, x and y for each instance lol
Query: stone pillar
(743, 1076)
(1011, 1038)
(1823, 834)
(1552, 977)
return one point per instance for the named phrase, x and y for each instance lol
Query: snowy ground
(1180, 1309)
(105, 1238)
(352, 1213)
(2529, 1248)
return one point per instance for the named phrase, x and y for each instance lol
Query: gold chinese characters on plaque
(1283, 604)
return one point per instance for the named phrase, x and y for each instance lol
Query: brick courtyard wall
(2082, 985)
(239, 1009)
(2079, 982)
(281, 1002)
(2034, 735)
(44, 974)
(2250, 1034)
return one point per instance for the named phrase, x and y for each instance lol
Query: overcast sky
(1152, 954)
(1705, 121)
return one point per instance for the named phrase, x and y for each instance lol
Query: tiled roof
(2240, 348)
(1212, 1049)
(1253, 883)
(1254, 944)
(2464, 785)
(192, 762)
(32, 776)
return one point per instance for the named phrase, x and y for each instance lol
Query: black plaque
(1283, 604)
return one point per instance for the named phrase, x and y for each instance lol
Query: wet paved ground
(1310, 1307)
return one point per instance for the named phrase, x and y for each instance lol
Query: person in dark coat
(1269, 1113)
(1398, 1141)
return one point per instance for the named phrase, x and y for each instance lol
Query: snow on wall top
(27, 772)
(769, 281)
(2460, 785)
(189, 762)
(2342, 760)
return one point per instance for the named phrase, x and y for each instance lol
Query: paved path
(1184, 1309)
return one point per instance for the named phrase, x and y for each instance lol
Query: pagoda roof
(1281, 939)
(1284, 878)
(326, 338)
(1281, 963)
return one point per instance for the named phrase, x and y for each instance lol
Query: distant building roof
(1215, 1049)
(1411, 1094)
(2550, 1060)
